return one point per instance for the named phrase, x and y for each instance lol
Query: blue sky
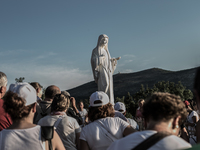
(51, 41)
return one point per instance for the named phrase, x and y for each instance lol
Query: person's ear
(38, 90)
(1, 89)
(175, 123)
(124, 113)
(34, 107)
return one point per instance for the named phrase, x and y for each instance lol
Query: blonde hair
(60, 103)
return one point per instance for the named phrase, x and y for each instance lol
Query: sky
(51, 42)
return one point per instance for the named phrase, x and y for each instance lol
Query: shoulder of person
(44, 119)
(194, 112)
(70, 119)
(175, 141)
(195, 147)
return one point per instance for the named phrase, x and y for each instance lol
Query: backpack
(47, 134)
(40, 113)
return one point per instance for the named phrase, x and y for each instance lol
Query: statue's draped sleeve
(95, 64)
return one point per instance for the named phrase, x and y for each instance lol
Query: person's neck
(22, 123)
(160, 126)
(81, 109)
(48, 99)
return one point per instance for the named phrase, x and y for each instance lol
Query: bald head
(51, 91)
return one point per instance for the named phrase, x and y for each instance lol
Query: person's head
(197, 87)
(81, 105)
(65, 93)
(141, 103)
(165, 107)
(38, 88)
(20, 101)
(3, 84)
(100, 107)
(119, 106)
(51, 91)
(188, 106)
(60, 103)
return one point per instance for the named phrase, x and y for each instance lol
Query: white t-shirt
(192, 130)
(170, 142)
(133, 123)
(83, 114)
(120, 115)
(66, 129)
(21, 139)
(96, 133)
(193, 113)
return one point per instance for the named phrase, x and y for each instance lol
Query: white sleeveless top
(21, 139)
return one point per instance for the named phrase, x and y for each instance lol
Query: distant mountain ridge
(131, 82)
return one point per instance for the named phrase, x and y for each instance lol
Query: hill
(131, 82)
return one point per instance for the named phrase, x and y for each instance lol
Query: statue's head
(103, 40)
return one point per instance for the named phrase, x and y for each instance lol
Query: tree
(20, 79)
(131, 102)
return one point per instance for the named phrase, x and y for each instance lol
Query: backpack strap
(107, 133)
(47, 134)
(58, 121)
(151, 141)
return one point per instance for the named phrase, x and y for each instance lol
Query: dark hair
(15, 106)
(36, 85)
(104, 111)
(197, 81)
(51, 91)
(164, 106)
(60, 103)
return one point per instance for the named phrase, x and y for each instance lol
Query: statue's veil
(99, 40)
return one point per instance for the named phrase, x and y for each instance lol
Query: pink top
(139, 113)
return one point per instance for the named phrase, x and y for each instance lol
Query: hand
(73, 101)
(118, 58)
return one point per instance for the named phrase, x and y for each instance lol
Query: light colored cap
(24, 90)
(120, 107)
(99, 95)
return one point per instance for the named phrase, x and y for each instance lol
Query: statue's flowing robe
(102, 68)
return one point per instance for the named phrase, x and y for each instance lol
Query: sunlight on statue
(103, 67)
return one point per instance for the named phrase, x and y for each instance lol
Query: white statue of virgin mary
(103, 67)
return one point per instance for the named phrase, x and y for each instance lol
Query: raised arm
(84, 145)
(128, 130)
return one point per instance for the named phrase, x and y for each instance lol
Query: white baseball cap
(120, 107)
(24, 90)
(99, 96)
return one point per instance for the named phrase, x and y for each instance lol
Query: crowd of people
(56, 123)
